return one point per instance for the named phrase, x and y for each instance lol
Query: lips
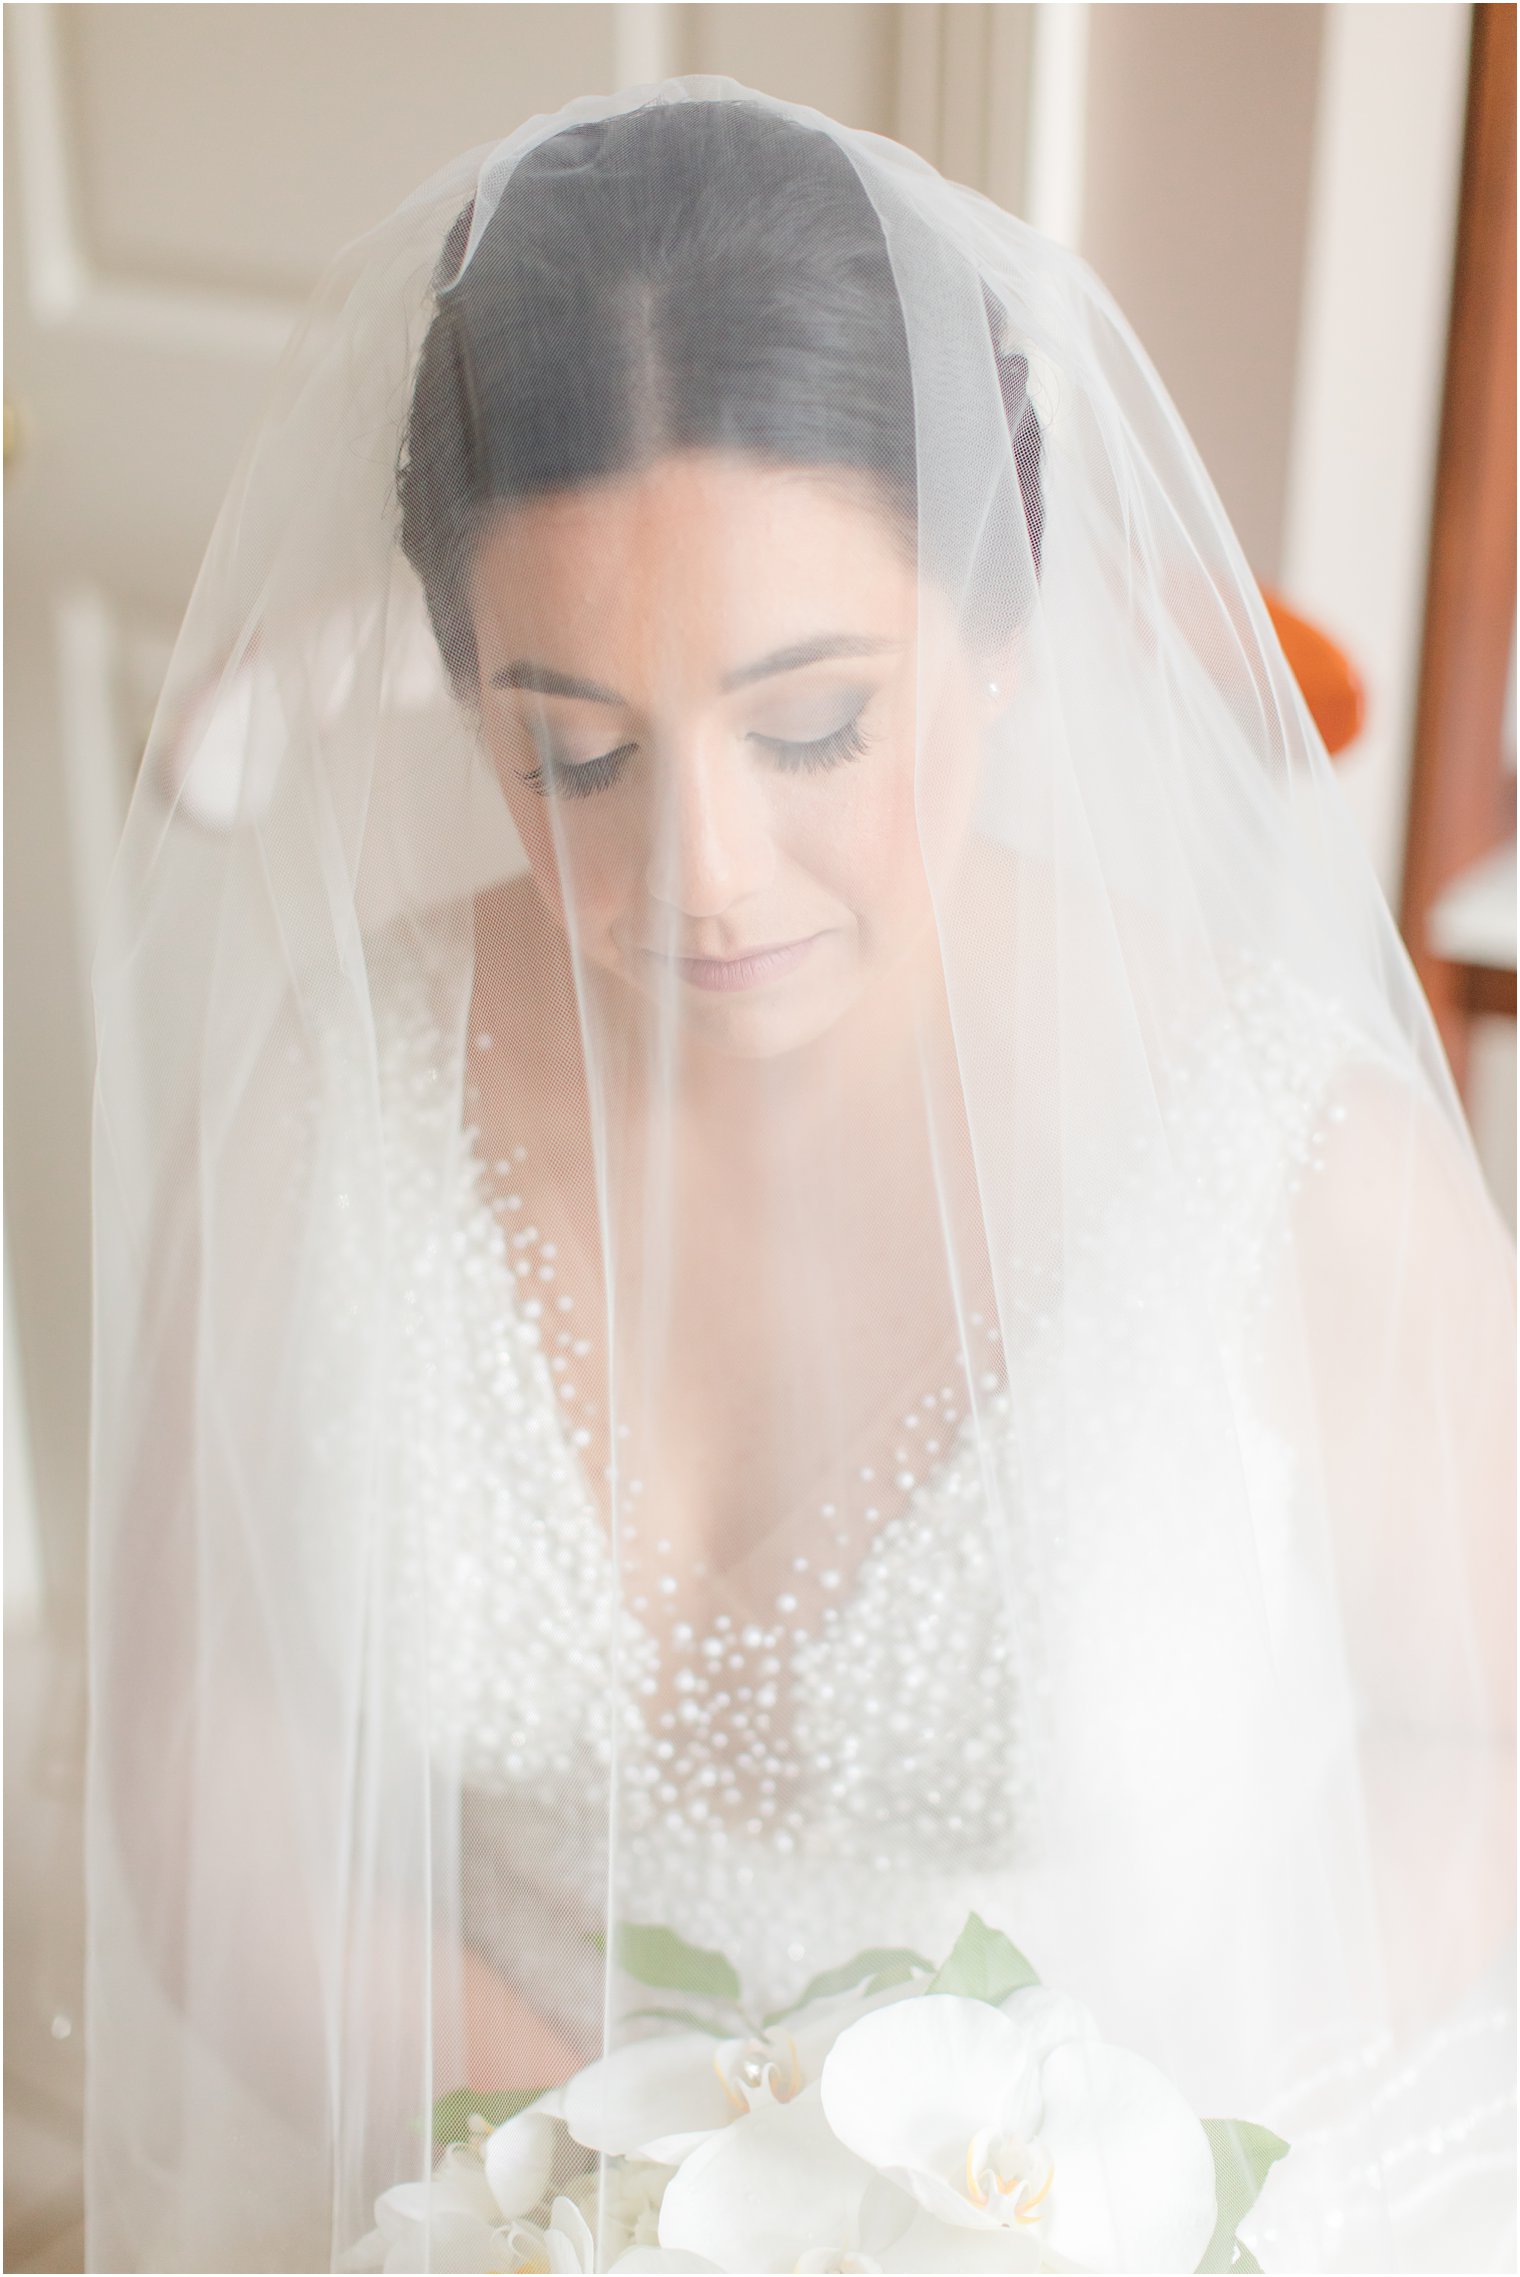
(752, 969)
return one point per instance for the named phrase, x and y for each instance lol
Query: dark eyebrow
(543, 680)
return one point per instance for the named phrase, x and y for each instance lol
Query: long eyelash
(582, 780)
(847, 742)
(589, 776)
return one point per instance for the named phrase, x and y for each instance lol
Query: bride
(782, 1250)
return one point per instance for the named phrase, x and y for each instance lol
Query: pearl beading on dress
(895, 1791)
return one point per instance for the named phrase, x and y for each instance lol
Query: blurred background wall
(1273, 193)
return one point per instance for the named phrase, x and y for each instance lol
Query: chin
(764, 1032)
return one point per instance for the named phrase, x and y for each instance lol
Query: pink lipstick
(752, 970)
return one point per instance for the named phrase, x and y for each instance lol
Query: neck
(851, 1082)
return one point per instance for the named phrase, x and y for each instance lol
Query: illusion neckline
(990, 1408)
(478, 1206)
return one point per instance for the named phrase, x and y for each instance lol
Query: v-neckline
(720, 1583)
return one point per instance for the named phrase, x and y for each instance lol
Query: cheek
(855, 829)
(898, 819)
(580, 866)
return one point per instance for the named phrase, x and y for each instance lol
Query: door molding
(996, 97)
(65, 288)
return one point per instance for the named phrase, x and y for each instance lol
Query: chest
(759, 1355)
(775, 1530)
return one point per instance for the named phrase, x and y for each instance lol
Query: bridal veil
(782, 1249)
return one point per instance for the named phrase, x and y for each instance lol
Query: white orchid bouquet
(897, 2117)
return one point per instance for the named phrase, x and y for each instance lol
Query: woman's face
(721, 704)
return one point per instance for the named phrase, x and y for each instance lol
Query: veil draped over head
(785, 1270)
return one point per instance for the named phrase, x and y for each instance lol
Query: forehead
(703, 555)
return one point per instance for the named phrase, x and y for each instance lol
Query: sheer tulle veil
(782, 1251)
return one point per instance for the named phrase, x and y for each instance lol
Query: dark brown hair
(680, 276)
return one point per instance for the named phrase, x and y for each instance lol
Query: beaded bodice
(844, 1763)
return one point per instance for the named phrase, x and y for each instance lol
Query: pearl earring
(994, 689)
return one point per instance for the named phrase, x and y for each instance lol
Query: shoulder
(1398, 1182)
(473, 1013)
(1203, 1010)
(491, 963)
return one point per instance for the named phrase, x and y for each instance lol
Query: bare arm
(508, 2044)
(1405, 1294)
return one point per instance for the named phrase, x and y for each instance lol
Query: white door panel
(176, 180)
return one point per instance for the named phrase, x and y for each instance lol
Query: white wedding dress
(1068, 1408)
(846, 1758)
(848, 1772)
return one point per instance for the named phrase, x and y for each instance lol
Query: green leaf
(1244, 2155)
(658, 1957)
(452, 2113)
(897, 1973)
(687, 2016)
(875, 1962)
(984, 1965)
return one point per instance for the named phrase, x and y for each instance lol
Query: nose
(710, 837)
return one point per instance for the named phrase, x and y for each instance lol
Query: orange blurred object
(1331, 684)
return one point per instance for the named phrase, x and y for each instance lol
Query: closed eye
(582, 778)
(832, 750)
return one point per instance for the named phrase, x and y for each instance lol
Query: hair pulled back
(708, 275)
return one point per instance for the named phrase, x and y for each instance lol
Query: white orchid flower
(653, 2098)
(561, 2247)
(454, 2219)
(927, 2247)
(519, 2154)
(659, 2098)
(777, 2190)
(622, 2201)
(1021, 2119)
(451, 2221)
(565, 2247)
